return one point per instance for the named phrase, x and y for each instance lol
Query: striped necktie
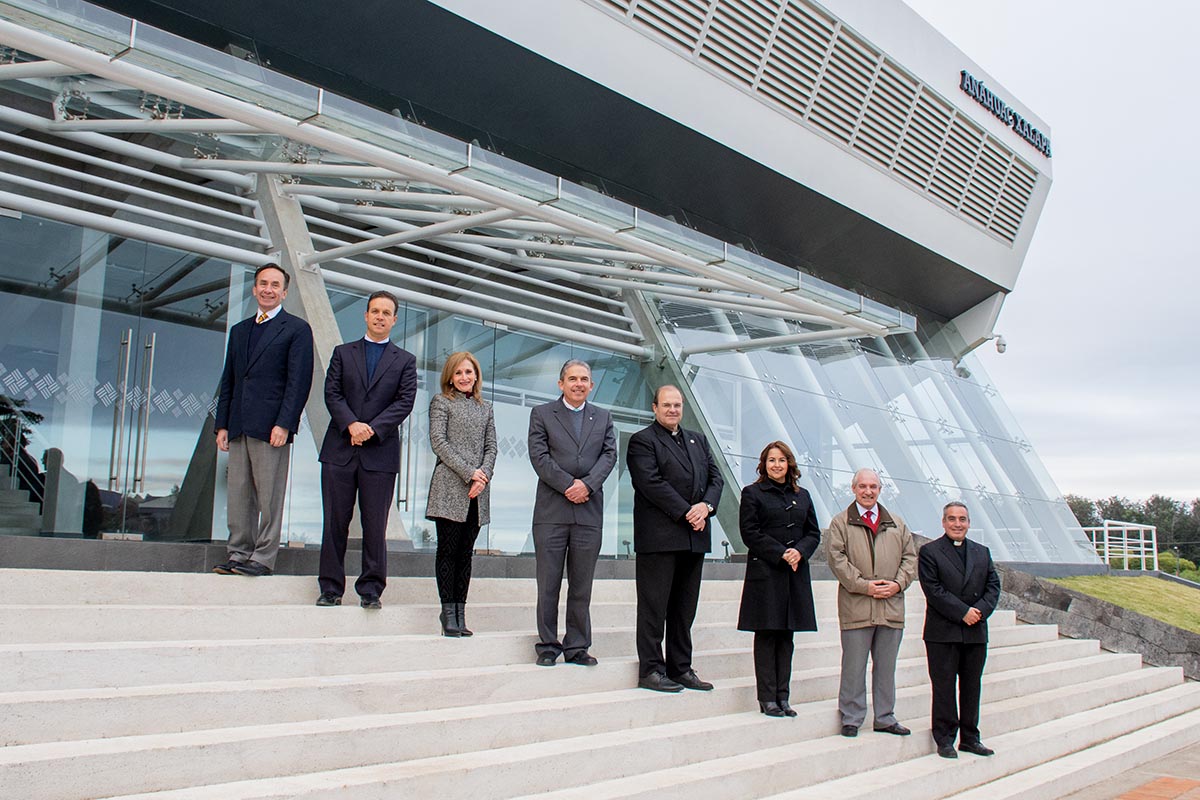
(262, 317)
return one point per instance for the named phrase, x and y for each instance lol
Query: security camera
(1001, 345)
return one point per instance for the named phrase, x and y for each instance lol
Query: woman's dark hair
(792, 479)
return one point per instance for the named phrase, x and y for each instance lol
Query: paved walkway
(1172, 777)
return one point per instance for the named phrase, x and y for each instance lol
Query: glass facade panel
(932, 434)
(116, 346)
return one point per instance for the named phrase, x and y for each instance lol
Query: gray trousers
(256, 485)
(575, 547)
(882, 644)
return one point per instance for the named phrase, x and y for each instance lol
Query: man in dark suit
(264, 386)
(961, 591)
(573, 448)
(370, 388)
(677, 487)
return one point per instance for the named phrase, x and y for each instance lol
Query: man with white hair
(872, 554)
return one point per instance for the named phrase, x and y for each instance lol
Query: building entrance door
(113, 350)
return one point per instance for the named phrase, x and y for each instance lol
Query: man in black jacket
(676, 487)
(961, 591)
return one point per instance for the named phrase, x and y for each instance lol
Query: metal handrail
(10, 450)
(1114, 539)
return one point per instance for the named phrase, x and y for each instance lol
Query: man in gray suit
(572, 447)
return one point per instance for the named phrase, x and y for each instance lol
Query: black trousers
(950, 663)
(668, 591)
(773, 665)
(341, 486)
(455, 546)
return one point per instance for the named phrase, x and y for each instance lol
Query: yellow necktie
(262, 317)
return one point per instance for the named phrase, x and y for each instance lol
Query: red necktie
(869, 519)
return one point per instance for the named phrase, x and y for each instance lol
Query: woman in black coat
(780, 531)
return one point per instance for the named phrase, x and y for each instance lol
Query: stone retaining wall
(1080, 616)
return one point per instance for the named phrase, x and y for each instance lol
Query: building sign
(1003, 112)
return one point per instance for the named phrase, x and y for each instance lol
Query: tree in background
(1084, 510)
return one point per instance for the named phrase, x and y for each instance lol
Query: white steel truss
(458, 239)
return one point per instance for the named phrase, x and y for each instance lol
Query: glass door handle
(142, 436)
(405, 467)
(117, 452)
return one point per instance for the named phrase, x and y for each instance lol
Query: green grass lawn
(1171, 603)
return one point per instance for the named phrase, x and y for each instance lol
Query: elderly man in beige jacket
(872, 554)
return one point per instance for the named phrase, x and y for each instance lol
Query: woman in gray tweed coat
(462, 433)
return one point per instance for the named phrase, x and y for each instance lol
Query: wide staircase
(206, 687)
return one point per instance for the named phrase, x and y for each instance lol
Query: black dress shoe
(977, 748)
(252, 569)
(658, 682)
(227, 568)
(849, 731)
(329, 599)
(690, 680)
(771, 709)
(546, 660)
(370, 601)
(582, 659)
(896, 729)
(788, 711)
(947, 751)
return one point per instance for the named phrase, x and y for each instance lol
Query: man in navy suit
(573, 448)
(264, 386)
(676, 488)
(961, 591)
(370, 388)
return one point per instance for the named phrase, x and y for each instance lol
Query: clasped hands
(882, 590)
(697, 515)
(479, 480)
(577, 492)
(360, 432)
(972, 616)
(792, 557)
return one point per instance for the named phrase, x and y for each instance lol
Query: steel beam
(414, 235)
(767, 342)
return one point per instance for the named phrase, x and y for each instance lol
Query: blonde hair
(448, 368)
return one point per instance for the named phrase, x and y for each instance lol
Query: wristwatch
(710, 507)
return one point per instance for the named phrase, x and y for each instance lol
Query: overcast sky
(1101, 369)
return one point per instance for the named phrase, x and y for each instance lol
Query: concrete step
(116, 765)
(586, 760)
(36, 623)
(1092, 765)
(77, 665)
(86, 587)
(30, 717)
(918, 776)
(734, 777)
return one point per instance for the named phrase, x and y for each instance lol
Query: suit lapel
(589, 421)
(684, 458)
(389, 354)
(952, 557)
(699, 464)
(358, 354)
(563, 415)
(269, 335)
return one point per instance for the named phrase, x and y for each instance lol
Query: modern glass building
(804, 215)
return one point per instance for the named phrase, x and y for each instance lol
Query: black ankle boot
(449, 620)
(460, 617)
(770, 708)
